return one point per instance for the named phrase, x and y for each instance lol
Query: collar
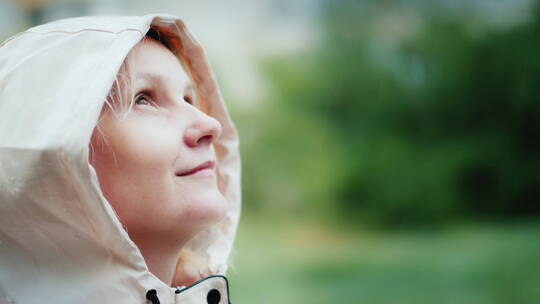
(210, 290)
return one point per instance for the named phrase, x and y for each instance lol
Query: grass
(286, 261)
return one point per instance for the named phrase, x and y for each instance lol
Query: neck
(160, 256)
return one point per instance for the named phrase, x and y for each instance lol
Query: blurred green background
(391, 149)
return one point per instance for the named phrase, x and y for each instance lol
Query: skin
(137, 160)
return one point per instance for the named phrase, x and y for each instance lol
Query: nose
(203, 131)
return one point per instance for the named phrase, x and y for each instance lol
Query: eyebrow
(157, 78)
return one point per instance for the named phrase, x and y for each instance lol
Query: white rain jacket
(60, 240)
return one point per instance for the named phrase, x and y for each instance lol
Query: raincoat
(60, 240)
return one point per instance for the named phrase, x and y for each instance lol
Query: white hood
(60, 240)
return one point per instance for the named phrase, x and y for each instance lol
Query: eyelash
(146, 96)
(188, 99)
(142, 96)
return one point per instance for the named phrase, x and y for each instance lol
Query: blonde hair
(121, 96)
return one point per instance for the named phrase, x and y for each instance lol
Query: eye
(142, 99)
(188, 99)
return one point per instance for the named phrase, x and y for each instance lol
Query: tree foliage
(418, 120)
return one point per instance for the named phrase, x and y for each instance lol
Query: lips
(206, 165)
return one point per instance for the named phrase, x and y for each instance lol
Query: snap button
(151, 295)
(213, 296)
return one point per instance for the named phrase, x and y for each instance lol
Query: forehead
(155, 62)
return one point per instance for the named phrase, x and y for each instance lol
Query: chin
(203, 209)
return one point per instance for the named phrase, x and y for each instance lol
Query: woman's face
(156, 167)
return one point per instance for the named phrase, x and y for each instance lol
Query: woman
(119, 165)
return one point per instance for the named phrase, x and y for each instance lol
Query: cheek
(136, 160)
(146, 149)
(134, 164)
